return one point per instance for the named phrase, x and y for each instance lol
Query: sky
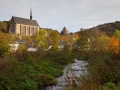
(56, 14)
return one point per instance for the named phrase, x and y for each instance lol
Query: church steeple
(31, 14)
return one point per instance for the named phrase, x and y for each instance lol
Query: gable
(12, 21)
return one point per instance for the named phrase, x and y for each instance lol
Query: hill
(108, 28)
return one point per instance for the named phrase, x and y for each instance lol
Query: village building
(23, 26)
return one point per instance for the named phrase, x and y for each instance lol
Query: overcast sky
(55, 14)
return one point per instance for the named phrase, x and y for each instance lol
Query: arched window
(33, 31)
(20, 29)
(29, 30)
(25, 30)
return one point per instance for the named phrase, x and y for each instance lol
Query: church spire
(31, 14)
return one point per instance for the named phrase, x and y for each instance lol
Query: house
(61, 44)
(14, 47)
(23, 26)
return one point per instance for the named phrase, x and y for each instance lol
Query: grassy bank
(29, 71)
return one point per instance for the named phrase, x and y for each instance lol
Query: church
(23, 26)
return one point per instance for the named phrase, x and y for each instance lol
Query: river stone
(75, 68)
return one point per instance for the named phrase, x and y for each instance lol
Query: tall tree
(82, 42)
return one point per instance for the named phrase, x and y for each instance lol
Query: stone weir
(71, 71)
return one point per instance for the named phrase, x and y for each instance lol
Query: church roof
(25, 21)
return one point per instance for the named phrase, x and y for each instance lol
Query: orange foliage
(113, 45)
(76, 35)
(62, 38)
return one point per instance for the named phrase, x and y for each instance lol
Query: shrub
(109, 86)
(46, 80)
(22, 54)
(4, 48)
(59, 57)
(16, 75)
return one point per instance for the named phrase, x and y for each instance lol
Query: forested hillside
(109, 28)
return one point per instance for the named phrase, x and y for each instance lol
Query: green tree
(102, 42)
(4, 48)
(82, 42)
(116, 34)
(95, 36)
(9, 38)
(41, 39)
(54, 39)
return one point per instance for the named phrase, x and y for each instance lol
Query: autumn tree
(102, 41)
(113, 45)
(9, 38)
(75, 37)
(95, 38)
(41, 39)
(5, 40)
(82, 42)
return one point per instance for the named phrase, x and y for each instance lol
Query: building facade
(22, 26)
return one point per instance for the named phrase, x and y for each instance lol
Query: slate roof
(25, 21)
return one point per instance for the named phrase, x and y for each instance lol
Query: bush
(16, 75)
(59, 57)
(4, 48)
(83, 57)
(22, 54)
(109, 86)
(46, 80)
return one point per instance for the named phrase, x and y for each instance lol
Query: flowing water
(71, 71)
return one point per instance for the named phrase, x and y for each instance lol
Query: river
(71, 71)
